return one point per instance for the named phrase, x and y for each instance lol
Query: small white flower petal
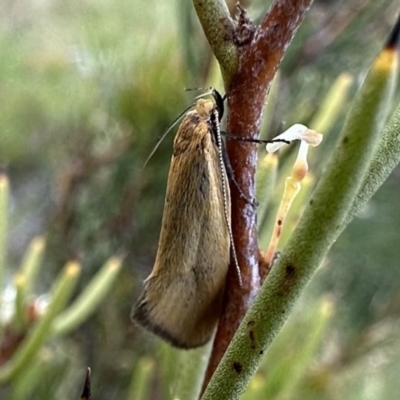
(295, 132)
(313, 138)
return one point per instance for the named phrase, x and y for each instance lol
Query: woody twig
(249, 57)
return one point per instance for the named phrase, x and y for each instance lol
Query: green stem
(303, 357)
(89, 299)
(192, 365)
(386, 159)
(20, 319)
(31, 263)
(219, 30)
(333, 104)
(140, 383)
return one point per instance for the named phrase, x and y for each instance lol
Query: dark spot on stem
(289, 279)
(252, 340)
(345, 140)
(237, 367)
(279, 222)
(261, 352)
(290, 270)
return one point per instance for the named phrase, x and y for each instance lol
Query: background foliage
(86, 88)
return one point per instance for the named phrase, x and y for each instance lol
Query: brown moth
(182, 297)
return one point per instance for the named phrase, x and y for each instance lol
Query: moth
(182, 297)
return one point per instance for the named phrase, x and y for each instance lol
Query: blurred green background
(86, 89)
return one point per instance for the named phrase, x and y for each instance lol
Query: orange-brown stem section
(260, 57)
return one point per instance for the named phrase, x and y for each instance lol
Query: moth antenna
(198, 88)
(251, 140)
(166, 132)
(224, 193)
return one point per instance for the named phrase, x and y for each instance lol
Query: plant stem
(260, 51)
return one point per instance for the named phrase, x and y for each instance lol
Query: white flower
(295, 132)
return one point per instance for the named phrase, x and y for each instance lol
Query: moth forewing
(182, 298)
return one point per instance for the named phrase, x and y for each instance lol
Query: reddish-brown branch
(260, 53)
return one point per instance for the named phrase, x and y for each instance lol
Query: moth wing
(182, 297)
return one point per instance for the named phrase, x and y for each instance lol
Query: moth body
(182, 297)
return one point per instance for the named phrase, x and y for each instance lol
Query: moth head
(217, 104)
